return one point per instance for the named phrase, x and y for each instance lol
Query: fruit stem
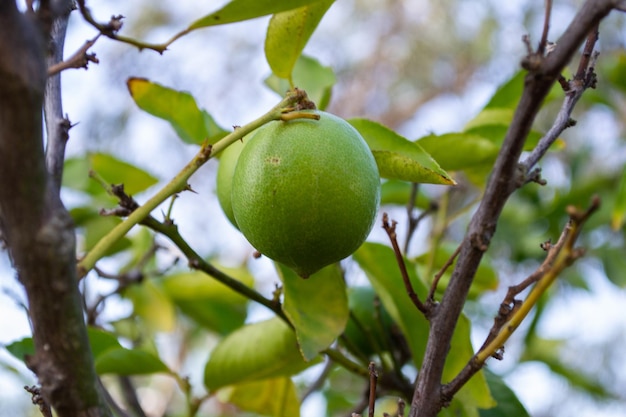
(295, 99)
(285, 117)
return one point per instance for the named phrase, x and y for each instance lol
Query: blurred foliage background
(420, 68)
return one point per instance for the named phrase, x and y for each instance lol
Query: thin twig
(319, 381)
(391, 232)
(372, 391)
(414, 221)
(546, 27)
(560, 256)
(586, 59)
(585, 78)
(111, 403)
(111, 29)
(130, 396)
(410, 206)
(80, 59)
(438, 275)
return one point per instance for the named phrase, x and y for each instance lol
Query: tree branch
(37, 229)
(80, 59)
(512, 311)
(57, 126)
(543, 72)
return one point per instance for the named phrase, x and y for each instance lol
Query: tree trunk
(37, 229)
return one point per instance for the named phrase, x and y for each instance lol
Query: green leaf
(380, 265)
(398, 157)
(101, 341)
(207, 301)
(493, 124)
(109, 355)
(115, 171)
(288, 33)
(398, 192)
(475, 393)
(614, 264)
(240, 10)
(275, 397)
(21, 348)
(179, 108)
(459, 151)
(317, 307)
(309, 75)
(257, 351)
(508, 405)
(614, 66)
(110, 168)
(153, 305)
(508, 94)
(122, 361)
(619, 206)
(98, 226)
(491, 116)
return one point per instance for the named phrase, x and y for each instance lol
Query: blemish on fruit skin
(274, 160)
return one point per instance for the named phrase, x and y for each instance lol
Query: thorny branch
(113, 26)
(80, 59)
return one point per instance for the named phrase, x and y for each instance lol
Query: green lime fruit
(305, 192)
(225, 171)
(369, 329)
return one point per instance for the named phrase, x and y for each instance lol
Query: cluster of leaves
(254, 365)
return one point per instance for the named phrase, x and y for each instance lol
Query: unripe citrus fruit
(305, 192)
(225, 171)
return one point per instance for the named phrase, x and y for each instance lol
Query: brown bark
(37, 229)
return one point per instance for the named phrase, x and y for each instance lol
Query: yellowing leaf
(257, 351)
(275, 397)
(179, 108)
(619, 208)
(152, 305)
